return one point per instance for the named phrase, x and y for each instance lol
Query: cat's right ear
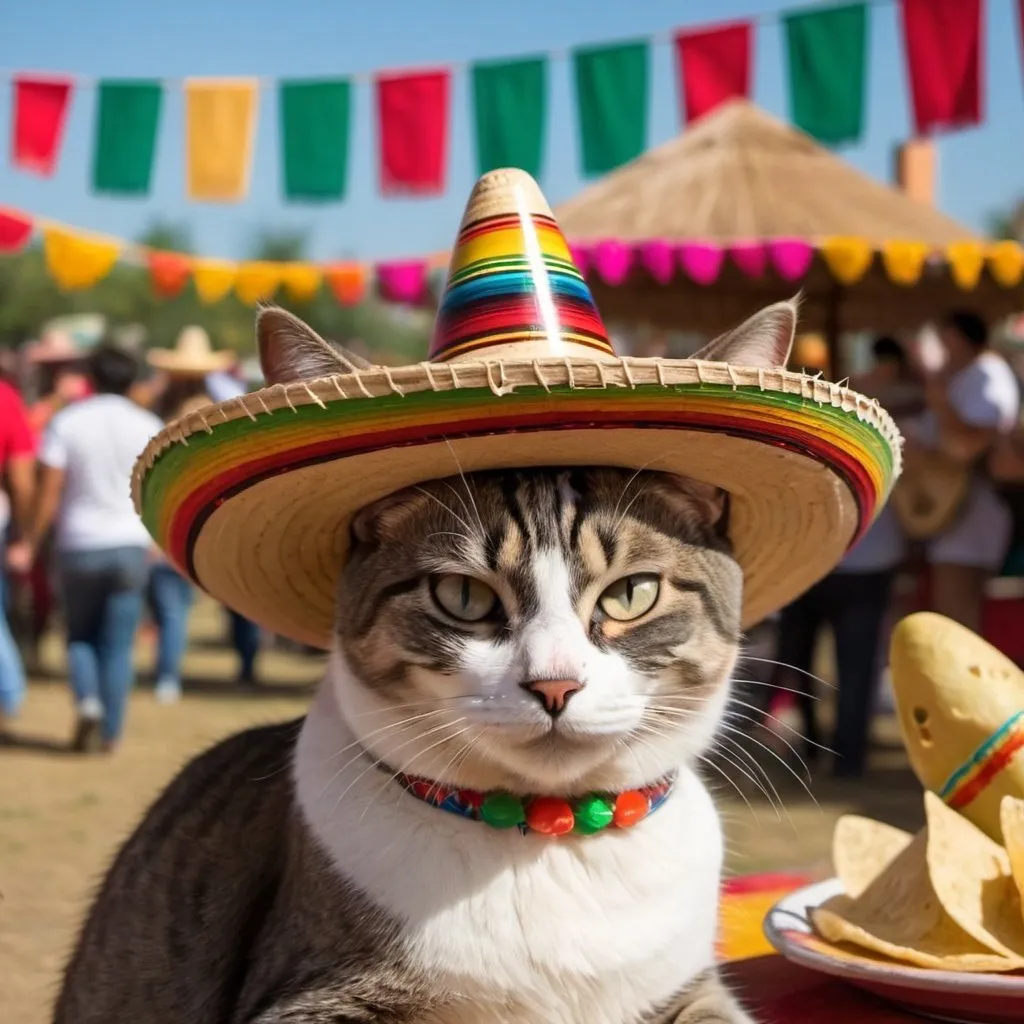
(763, 341)
(291, 350)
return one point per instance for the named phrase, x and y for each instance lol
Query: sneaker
(87, 739)
(167, 691)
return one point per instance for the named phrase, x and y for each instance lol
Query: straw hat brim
(172, 361)
(253, 498)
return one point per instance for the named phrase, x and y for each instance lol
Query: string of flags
(826, 50)
(78, 260)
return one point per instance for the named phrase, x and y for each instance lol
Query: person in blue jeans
(170, 601)
(103, 550)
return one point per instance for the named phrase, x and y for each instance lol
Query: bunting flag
(714, 66)
(220, 118)
(169, 272)
(412, 112)
(78, 261)
(40, 111)
(347, 282)
(510, 111)
(125, 141)
(213, 279)
(611, 94)
(15, 231)
(944, 60)
(828, 52)
(314, 138)
(301, 280)
(257, 281)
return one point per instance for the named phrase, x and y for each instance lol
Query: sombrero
(192, 355)
(253, 498)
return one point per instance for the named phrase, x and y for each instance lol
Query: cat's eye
(630, 597)
(463, 597)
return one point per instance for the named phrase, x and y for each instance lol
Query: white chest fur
(522, 928)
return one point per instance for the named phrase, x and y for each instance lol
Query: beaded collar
(544, 815)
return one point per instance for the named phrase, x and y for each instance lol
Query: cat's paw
(710, 1002)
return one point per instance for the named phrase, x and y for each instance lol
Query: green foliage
(29, 297)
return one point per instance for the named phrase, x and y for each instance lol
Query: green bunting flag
(611, 93)
(314, 138)
(827, 71)
(128, 113)
(510, 108)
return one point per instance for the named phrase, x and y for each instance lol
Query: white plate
(955, 996)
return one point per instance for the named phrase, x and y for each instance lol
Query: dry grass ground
(61, 817)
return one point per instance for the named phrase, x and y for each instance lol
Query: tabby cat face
(545, 623)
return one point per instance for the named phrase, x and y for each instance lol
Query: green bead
(593, 813)
(502, 810)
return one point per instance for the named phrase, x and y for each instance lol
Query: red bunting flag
(40, 110)
(412, 112)
(713, 65)
(15, 230)
(944, 62)
(169, 272)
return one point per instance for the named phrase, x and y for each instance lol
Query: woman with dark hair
(86, 460)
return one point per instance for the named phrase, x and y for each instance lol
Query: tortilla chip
(1011, 817)
(972, 879)
(900, 916)
(862, 848)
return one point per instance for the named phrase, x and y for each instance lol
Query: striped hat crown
(513, 290)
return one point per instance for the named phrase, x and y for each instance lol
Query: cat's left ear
(290, 350)
(763, 342)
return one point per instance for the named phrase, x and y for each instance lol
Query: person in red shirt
(17, 466)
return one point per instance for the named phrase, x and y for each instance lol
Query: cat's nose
(553, 694)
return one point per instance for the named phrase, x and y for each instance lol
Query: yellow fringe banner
(213, 279)
(904, 261)
(847, 258)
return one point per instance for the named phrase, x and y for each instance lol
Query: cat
(554, 630)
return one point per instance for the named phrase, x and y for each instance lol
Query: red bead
(549, 816)
(630, 807)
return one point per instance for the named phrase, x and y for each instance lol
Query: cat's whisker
(789, 768)
(467, 488)
(793, 668)
(455, 515)
(780, 722)
(406, 723)
(776, 798)
(776, 686)
(406, 770)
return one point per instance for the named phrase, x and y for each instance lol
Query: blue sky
(980, 170)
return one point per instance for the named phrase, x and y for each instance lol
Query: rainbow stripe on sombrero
(975, 775)
(512, 277)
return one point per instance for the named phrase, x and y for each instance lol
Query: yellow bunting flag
(966, 262)
(904, 261)
(78, 261)
(847, 258)
(213, 279)
(257, 281)
(301, 280)
(220, 121)
(1006, 263)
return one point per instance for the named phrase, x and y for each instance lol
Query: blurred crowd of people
(954, 523)
(67, 448)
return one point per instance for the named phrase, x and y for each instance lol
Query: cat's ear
(291, 350)
(688, 496)
(764, 341)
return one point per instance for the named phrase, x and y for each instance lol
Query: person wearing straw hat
(190, 370)
(532, 561)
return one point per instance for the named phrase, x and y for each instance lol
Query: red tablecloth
(778, 992)
(774, 990)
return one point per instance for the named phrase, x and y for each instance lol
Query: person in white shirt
(86, 457)
(973, 399)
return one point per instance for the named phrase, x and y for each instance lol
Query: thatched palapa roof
(739, 175)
